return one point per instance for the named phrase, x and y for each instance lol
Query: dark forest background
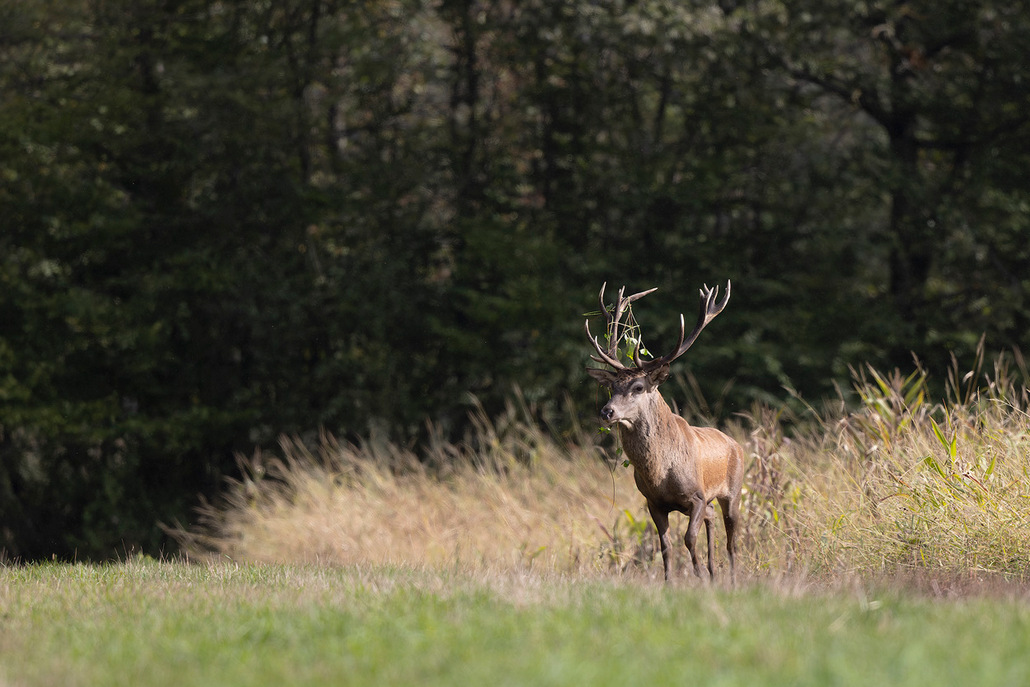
(223, 221)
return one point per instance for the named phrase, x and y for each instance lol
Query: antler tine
(640, 295)
(613, 318)
(604, 357)
(600, 300)
(710, 306)
(612, 322)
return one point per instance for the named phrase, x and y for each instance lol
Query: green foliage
(632, 542)
(226, 220)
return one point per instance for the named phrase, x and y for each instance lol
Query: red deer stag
(676, 467)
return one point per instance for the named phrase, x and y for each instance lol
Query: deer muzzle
(609, 418)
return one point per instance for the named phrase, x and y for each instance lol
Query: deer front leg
(698, 514)
(661, 523)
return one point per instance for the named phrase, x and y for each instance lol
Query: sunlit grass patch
(510, 497)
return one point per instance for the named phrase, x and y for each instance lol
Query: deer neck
(648, 443)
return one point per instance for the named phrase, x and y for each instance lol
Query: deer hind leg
(730, 515)
(710, 535)
(661, 523)
(698, 514)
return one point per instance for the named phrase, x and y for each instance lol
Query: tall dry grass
(900, 485)
(510, 495)
(894, 484)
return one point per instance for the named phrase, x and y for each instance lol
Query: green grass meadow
(145, 622)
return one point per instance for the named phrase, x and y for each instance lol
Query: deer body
(676, 467)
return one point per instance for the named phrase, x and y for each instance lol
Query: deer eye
(638, 388)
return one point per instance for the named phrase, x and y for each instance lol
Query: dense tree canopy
(224, 220)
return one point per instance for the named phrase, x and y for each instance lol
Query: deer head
(634, 389)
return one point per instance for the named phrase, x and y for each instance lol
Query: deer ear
(658, 375)
(605, 377)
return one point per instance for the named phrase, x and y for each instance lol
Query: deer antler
(613, 316)
(710, 307)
